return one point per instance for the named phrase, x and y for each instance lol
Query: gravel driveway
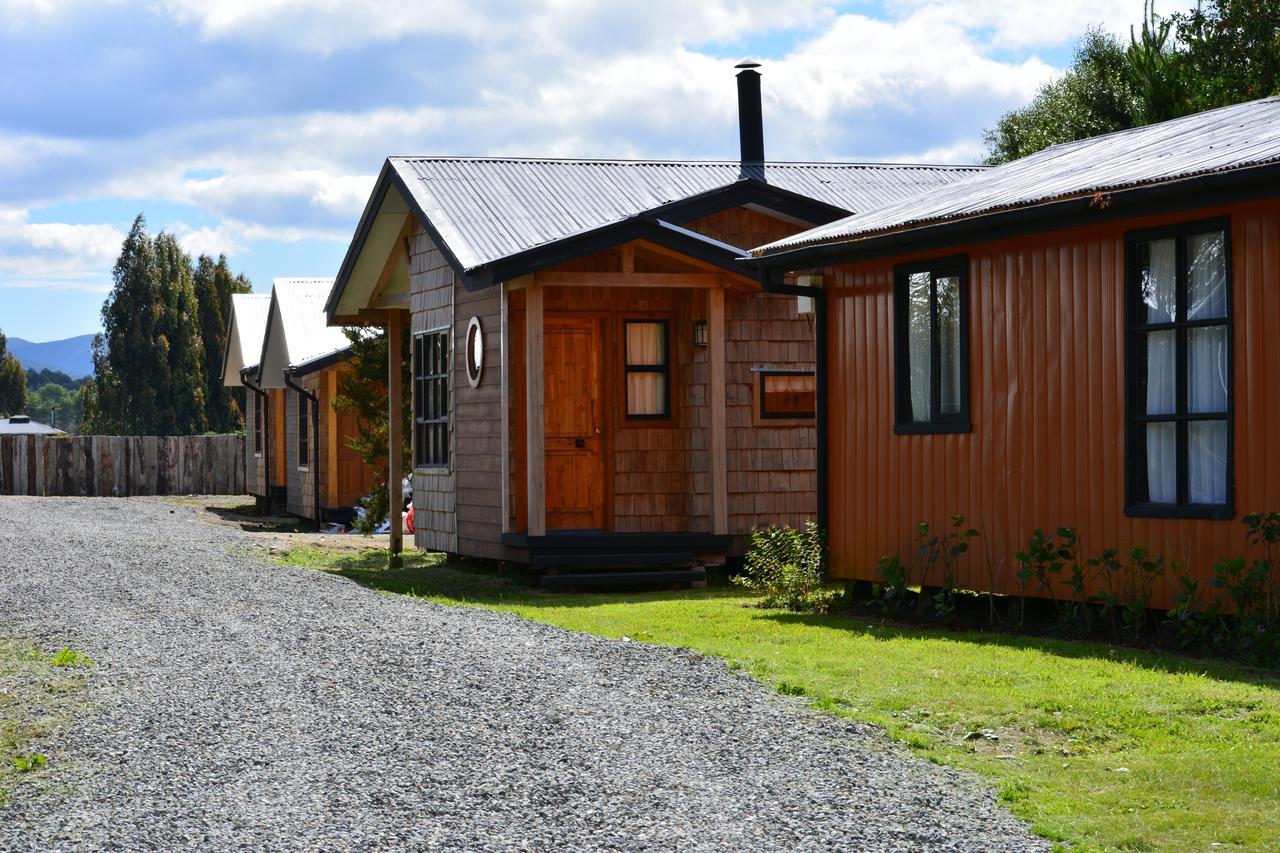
(244, 705)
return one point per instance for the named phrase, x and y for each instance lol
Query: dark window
(304, 431)
(931, 313)
(648, 370)
(1178, 446)
(431, 400)
(257, 423)
(788, 395)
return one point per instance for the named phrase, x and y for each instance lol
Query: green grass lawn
(1097, 747)
(38, 694)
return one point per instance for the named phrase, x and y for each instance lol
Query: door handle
(579, 442)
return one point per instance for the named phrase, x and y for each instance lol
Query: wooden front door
(574, 418)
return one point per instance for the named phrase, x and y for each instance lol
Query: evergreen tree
(182, 397)
(214, 286)
(13, 381)
(1093, 97)
(149, 376)
(1223, 52)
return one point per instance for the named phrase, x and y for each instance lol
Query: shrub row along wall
(114, 465)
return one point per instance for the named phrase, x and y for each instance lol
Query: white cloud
(326, 26)
(1025, 24)
(547, 77)
(233, 237)
(55, 254)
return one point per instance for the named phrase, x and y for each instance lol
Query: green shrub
(787, 567)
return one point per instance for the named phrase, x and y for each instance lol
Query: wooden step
(565, 542)
(590, 560)
(626, 580)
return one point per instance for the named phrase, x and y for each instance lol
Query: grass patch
(1096, 747)
(38, 692)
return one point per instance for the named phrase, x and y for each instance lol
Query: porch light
(700, 333)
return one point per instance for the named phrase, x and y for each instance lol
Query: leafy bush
(787, 567)
(891, 592)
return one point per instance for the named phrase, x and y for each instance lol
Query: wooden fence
(114, 465)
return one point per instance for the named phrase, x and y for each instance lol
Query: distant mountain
(72, 355)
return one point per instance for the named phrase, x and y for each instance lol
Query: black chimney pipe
(750, 119)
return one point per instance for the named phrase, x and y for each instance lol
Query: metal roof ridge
(620, 161)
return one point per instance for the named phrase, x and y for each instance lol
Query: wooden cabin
(1085, 337)
(302, 359)
(264, 462)
(598, 380)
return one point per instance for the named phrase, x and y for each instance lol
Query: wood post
(716, 402)
(395, 501)
(535, 425)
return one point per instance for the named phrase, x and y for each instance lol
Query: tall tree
(149, 361)
(1093, 97)
(183, 395)
(214, 285)
(1232, 50)
(1223, 52)
(13, 381)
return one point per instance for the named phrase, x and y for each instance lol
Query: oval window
(475, 351)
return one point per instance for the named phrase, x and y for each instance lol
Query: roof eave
(1126, 203)
(746, 190)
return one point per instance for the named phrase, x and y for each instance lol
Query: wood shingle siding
(432, 287)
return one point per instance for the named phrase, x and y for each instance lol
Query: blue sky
(255, 127)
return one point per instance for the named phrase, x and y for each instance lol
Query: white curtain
(1162, 471)
(1160, 295)
(1161, 372)
(1207, 462)
(949, 344)
(1206, 276)
(1160, 281)
(646, 346)
(919, 343)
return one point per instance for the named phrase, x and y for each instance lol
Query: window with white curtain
(648, 370)
(931, 350)
(1179, 374)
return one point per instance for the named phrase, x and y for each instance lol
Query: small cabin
(264, 408)
(598, 379)
(301, 360)
(1085, 337)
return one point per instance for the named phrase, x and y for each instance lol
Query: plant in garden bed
(892, 590)
(787, 567)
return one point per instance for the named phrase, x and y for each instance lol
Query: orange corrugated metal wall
(1046, 385)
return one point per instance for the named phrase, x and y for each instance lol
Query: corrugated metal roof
(487, 209)
(300, 307)
(1225, 139)
(26, 426)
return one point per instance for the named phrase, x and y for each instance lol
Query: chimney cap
(747, 64)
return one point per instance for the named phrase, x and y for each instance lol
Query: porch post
(535, 426)
(395, 500)
(716, 402)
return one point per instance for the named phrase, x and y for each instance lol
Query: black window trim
(960, 422)
(304, 432)
(664, 368)
(416, 380)
(765, 415)
(1133, 420)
